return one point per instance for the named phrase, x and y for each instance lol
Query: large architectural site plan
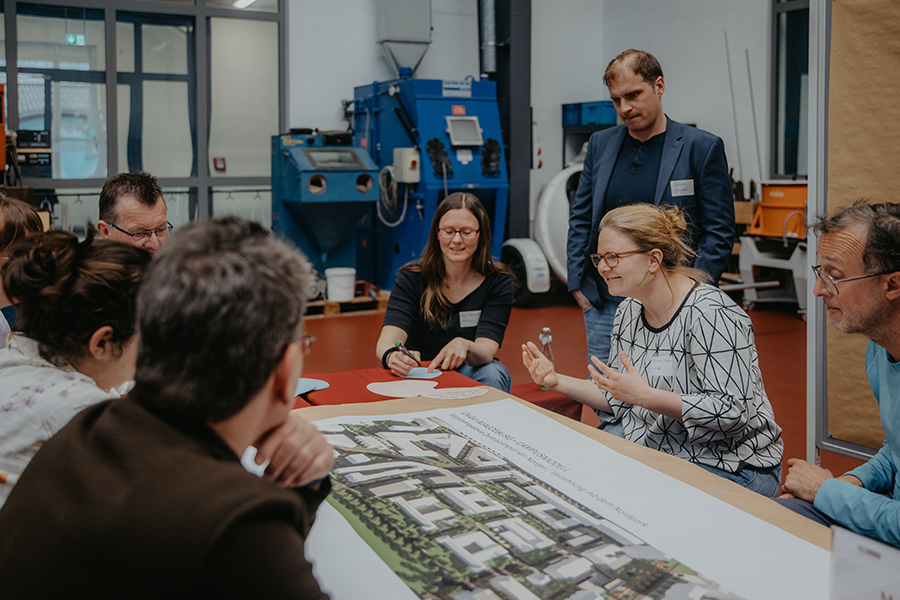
(479, 503)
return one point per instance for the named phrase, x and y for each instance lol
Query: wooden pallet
(362, 304)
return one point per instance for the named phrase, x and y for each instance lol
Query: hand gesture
(624, 387)
(539, 367)
(401, 364)
(452, 356)
(297, 453)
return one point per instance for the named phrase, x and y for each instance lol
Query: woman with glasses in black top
(452, 305)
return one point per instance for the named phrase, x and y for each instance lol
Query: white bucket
(341, 283)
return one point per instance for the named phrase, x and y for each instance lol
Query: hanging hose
(387, 199)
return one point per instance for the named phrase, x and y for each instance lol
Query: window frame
(779, 7)
(201, 180)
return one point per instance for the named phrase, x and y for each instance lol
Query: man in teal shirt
(858, 278)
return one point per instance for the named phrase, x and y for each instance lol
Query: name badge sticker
(661, 366)
(469, 318)
(682, 187)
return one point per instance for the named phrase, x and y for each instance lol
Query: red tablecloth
(349, 387)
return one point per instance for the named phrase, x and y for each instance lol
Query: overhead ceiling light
(242, 3)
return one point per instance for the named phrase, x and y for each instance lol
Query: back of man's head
(642, 63)
(881, 226)
(142, 185)
(217, 310)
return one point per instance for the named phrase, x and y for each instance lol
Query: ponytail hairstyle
(657, 228)
(435, 306)
(67, 290)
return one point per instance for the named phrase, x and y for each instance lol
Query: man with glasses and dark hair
(145, 496)
(858, 278)
(132, 210)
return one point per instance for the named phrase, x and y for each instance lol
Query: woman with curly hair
(75, 339)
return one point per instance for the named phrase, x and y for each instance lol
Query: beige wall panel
(863, 162)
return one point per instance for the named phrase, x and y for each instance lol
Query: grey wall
(332, 49)
(573, 40)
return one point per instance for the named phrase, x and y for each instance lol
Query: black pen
(405, 351)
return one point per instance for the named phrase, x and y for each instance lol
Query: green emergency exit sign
(75, 39)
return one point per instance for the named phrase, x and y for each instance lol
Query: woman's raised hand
(624, 387)
(539, 366)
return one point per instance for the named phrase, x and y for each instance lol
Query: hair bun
(675, 221)
(40, 268)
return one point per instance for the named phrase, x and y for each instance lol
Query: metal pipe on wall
(488, 37)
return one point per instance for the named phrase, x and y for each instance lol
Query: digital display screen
(464, 131)
(333, 159)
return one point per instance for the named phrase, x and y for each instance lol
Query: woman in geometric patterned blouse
(683, 374)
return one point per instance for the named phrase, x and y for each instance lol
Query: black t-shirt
(483, 313)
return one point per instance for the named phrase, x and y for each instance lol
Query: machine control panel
(406, 165)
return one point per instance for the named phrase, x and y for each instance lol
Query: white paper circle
(405, 388)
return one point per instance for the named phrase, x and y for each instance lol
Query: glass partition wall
(164, 86)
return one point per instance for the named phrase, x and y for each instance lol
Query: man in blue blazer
(652, 159)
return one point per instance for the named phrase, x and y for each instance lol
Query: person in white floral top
(76, 304)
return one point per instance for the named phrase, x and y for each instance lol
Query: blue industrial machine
(323, 192)
(430, 138)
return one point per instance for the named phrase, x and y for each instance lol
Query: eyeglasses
(466, 234)
(831, 284)
(141, 236)
(306, 341)
(611, 258)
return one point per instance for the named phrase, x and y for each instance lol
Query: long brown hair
(430, 264)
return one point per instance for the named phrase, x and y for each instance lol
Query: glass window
(61, 38)
(2, 38)
(247, 202)
(166, 134)
(72, 209)
(62, 89)
(244, 69)
(181, 205)
(165, 49)
(258, 5)
(125, 47)
(791, 93)
(156, 95)
(171, 2)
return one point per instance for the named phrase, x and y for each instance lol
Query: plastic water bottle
(546, 338)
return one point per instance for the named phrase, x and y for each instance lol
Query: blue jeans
(762, 481)
(802, 507)
(493, 374)
(598, 324)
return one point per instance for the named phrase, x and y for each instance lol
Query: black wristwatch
(384, 357)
